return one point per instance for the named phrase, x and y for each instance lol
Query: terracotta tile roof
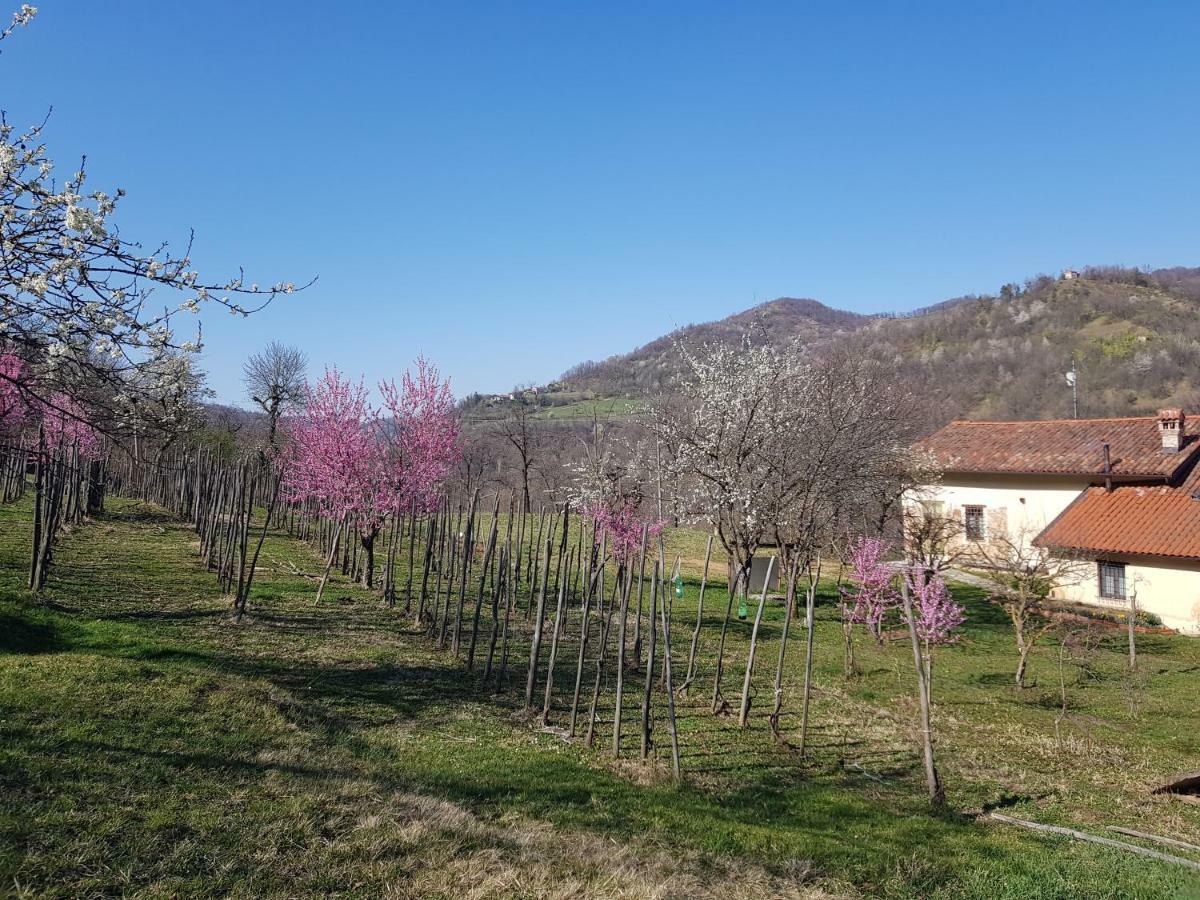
(1061, 446)
(1149, 520)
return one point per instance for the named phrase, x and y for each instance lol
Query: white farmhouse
(1124, 493)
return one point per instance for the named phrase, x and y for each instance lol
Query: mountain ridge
(1134, 335)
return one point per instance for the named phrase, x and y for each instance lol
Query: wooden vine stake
(790, 603)
(718, 700)
(690, 675)
(666, 633)
(620, 699)
(649, 686)
(744, 713)
(810, 602)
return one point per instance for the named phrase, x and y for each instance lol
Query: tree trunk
(1132, 631)
(810, 603)
(620, 698)
(666, 629)
(1022, 661)
(262, 536)
(789, 605)
(637, 623)
(933, 782)
(718, 701)
(333, 548)
(367, 539)
(483, 576)
(606, 616)
(849, 663)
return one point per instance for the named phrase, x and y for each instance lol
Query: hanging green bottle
(743, 612)
(678, 585)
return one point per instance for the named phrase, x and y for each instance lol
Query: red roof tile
(1149, 520)
(1061, 446)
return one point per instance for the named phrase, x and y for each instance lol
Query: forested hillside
(1135, 337)
(652, 366)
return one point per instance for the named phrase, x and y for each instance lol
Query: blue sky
(510, 188)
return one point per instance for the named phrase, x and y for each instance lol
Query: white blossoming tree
(771, 445)
(92, 312)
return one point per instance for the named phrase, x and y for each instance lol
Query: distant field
(613, 407)
(153, 747)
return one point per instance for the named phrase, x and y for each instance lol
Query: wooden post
(535, 644)
(649, 686)
(744, 714)
(718, 701)
(666, 630)
(787, 621)
(554, 635)
(814, 576)
(333, 548)
(690, 675)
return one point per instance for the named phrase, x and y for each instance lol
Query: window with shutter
(1112, 580)
(974, 522)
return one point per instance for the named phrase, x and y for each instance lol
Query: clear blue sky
(511, 188)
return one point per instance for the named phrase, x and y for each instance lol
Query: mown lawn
(149, 745)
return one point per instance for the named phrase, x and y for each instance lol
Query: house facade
(1122, 495)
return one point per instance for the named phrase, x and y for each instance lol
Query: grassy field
(151, 746)
(604, 408)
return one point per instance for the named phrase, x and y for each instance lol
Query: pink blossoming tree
(67, 428)
(937, 615)
(619, 522)
(332, 453)
(14, 409)
(360, 467)
(872, 595)
(413, 454)
(426, 443)
(933, 618)
(927, 609)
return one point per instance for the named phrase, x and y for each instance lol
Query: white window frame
(1100, 566)
(980, 525)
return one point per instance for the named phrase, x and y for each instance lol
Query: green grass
(152, 746)
(602, 408)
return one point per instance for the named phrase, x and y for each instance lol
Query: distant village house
(1123, 494)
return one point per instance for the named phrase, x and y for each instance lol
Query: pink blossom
(426, 445)
(333, 455)
(873, 596)
(66, 426)
(620, 523)
(937, 615)
(14, 409)
(353, 463)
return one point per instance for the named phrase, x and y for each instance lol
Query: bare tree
(1024, 577)
(933, 540)
(524, 433)
(770, 444)
(275, 380)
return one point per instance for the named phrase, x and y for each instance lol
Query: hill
(1134, 336)
(651, 366)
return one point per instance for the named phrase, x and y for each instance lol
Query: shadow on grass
(19, 634)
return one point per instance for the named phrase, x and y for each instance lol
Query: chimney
(1170, 426)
